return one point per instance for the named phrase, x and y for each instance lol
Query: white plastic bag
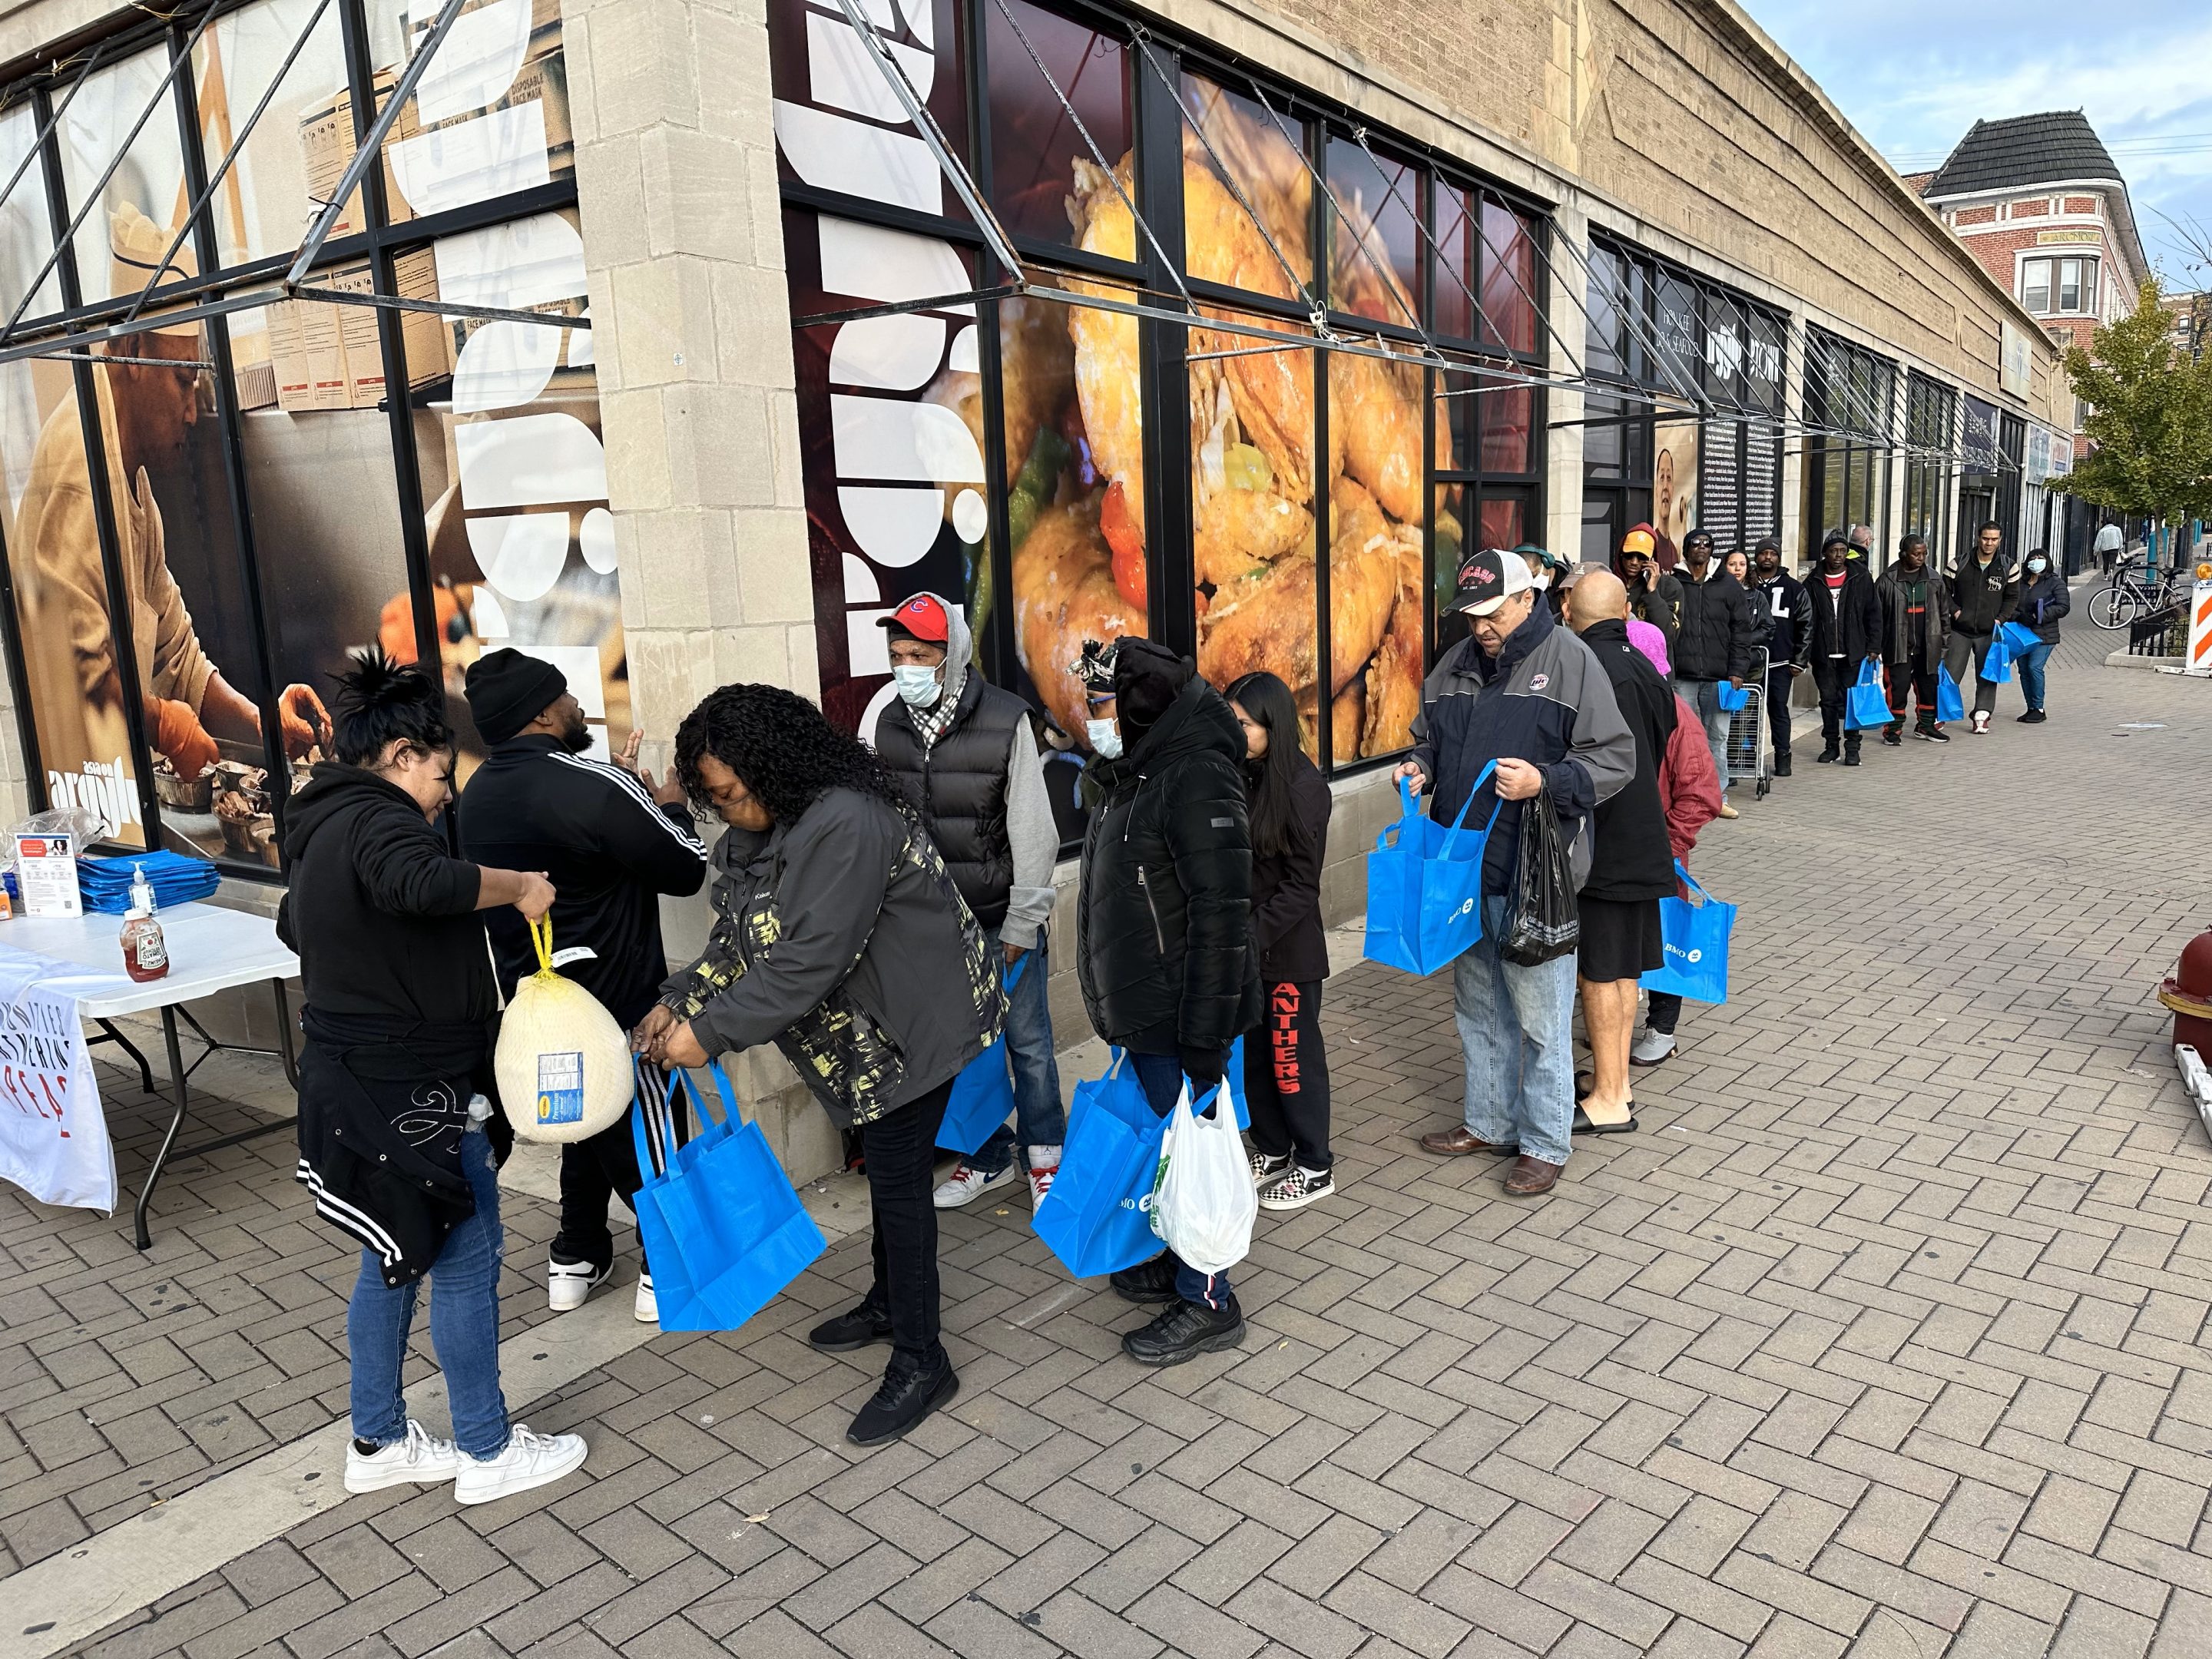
(1203, 1203)
(562, 1063)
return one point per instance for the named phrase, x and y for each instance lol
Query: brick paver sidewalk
(1882, 1337)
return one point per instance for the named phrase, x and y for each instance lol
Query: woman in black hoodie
(1285, 1067)
(397, 1133)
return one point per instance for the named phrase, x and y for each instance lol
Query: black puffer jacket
(1720, 628)
(2040, 602)
(1164, 915)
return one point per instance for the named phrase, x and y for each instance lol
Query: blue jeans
(1038, 1113)
(1704, 697)
(1162, 1076)
(464, 1326)
(2030, 663)
(1516, 1030)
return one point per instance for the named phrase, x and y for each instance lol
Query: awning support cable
(39, 144)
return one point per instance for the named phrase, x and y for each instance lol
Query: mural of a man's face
(1663, 487)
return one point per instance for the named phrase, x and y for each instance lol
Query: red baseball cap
(922, 616)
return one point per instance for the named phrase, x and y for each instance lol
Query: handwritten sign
(53, 1135)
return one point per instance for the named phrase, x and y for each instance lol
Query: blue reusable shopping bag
(1997, 662)
(1732, 698)
(1425, 885)
(1949, 704)
(1097, 1216)
(1868, 703)
(2020, 638)
(1694, 934)
(983, 1093)
(722, 1225)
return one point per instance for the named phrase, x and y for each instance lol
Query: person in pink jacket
(1690, 794)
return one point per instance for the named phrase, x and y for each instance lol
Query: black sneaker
(1148, 1281)
(1297, 1189)
(904, 1400)
(1782, 763)
(1936, 734)
(1893, 735)
(1184, 1332)
(856, 1329)
(1851, 755)
(2033, 717)
(1826, 756)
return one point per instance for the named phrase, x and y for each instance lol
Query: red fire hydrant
(2189, 994)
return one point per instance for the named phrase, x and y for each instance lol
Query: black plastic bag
(1545, 920)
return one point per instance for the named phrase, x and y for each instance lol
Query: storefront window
(1375, 261)
(1037, 151)
(1850, 395)
(284, 476)
(27, 235)
(1509, 277)
(1240, 163)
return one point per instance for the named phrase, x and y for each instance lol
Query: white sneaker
(645, 1305)
(1266, 1170)
(968, 1184)
(1981, 722)
(568, 1282)
(1650, 1047)
(1044, 1165)
(418, 1458)
(529, 1459)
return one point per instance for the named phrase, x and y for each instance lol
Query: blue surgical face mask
(1105, 739)
(2036, 564)
(919, 686)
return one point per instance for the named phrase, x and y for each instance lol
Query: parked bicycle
(2134, 594)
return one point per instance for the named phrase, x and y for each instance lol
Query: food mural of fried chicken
(1075, 447)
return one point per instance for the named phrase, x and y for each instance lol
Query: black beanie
(508, 690)
(1148, 677)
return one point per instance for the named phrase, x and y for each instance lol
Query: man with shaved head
(1633, 868)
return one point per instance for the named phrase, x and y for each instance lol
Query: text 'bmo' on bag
(1867, 704)
(1425, 885)
(1096, 1218)
(983, 1093)
(562, 1063)
(1694, 933)
(722, 1227)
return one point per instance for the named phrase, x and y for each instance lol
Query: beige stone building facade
(1304, 301)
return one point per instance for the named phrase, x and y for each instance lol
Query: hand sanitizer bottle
(145, 952)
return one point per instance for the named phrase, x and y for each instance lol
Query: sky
(1913, 75)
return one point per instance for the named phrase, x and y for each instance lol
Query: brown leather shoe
(1531, 1176)
(1457, 1142)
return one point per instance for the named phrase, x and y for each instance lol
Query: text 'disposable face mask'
(1105, 739)
(918, 686)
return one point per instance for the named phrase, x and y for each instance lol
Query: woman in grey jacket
(840, 937)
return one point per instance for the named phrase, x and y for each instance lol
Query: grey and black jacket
(1543, 700)
(1934, 623)
(840, 937)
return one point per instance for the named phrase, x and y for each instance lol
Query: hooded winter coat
(399, 1017)
(1851, 630)
(1720, 628)
(840, 937)
(1934, 621)
(1163, 913)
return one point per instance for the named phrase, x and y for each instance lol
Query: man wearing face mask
(1789, 609)
(614, 839)
(967, 756)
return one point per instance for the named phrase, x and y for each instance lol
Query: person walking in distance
(399, 1141)
(840, 937)
(1525, 694)
(1789, 610)
(2110, 538)
(1286, 1066)
(613, 840)
(2042, 599)
(1982, 594)
(1690, 795)
(1720, 628)
(1846, 632)
(1630, 869)
(1163, 927)
(1914, 631)
(965, 754)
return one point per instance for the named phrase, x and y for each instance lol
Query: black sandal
(1583, 1125)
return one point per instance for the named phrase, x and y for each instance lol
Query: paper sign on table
(46, 871)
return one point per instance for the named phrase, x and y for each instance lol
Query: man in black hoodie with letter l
(1163, 926)
(1846, 632)
(612, 844)
(1788, 639)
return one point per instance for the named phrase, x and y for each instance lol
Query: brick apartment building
(2040, 201)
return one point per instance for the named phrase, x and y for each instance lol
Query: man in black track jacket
(613, 842)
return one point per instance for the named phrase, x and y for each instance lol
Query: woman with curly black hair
(840, 937)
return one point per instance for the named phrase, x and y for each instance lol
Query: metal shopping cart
(1750, 757)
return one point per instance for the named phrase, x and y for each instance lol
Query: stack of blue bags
(105, 884)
